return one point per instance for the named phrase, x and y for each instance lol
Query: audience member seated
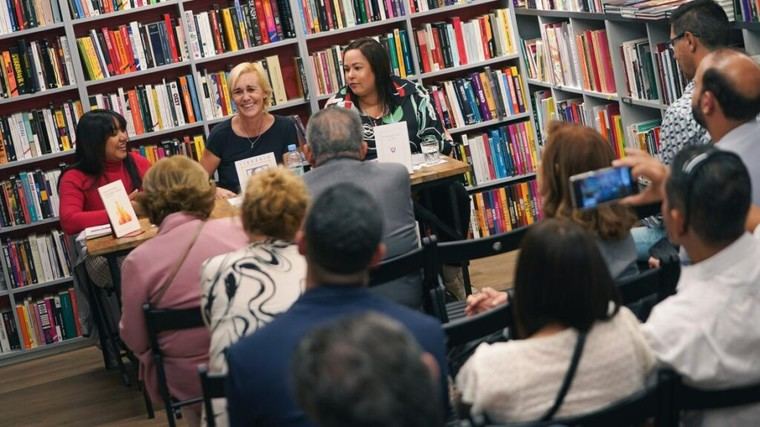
(707, 330)
(726, 101)
(165, 271)
(244, 290)
(336, 152)
(366, 370)
(341, 240)
(573, 149)
(563, 290)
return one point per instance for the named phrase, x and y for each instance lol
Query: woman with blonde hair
(572, 149)
(244, 290)
(165, 272)
(252, 131)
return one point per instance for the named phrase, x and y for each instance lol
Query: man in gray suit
(336, 152)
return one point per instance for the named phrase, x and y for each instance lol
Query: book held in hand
(121, 214)
(247, 167)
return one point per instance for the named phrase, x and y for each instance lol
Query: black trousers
(441, 200)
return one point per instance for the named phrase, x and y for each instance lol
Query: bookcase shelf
(369, 25)
(500, 182)
(40, 94)
(452, 8)
(481, 125)
(155, 70)
(644, 103)
(471, 66)
(44, 350)
(29, 288)
(248, 51)
(15, 228)
(30, 31)
(17, 163)
(161, 132)
(121, 13)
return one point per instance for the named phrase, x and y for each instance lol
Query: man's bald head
(733, 80)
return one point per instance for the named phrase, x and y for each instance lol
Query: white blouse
(519, 380)
(244, 290)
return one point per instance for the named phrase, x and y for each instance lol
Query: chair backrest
(691, 398)
(467, 250)
(158, 320)
(654, 401)
(462, 331)
(416, 261)
(649, 287)
(213, 388)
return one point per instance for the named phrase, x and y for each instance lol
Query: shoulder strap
(568, 381)
(164, 286)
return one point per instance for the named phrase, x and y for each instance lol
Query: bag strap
(164, 286)
(568, 381)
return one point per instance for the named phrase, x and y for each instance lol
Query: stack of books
(639, 70)
(35, 66)
(34, 133)
(29, 197)
(189, 146)
(37, 258)
(44, 320)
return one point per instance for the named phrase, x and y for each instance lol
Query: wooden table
(450, 168)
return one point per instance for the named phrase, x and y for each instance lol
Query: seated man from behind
(707, 331)
(341, 240)
(366, 370)
(336, 151)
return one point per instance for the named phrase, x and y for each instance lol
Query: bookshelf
(204, 49)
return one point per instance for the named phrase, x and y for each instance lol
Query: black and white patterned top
(679, 128)
(244, 290)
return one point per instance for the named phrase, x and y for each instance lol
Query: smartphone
(591, 189)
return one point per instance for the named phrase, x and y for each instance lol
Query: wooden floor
(73, 388)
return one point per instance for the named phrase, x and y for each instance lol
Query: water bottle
(292, 160)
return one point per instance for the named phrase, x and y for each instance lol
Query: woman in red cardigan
(102, 157)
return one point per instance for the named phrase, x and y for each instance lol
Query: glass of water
(429, 148)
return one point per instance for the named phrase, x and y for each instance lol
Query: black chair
(213, 388)
(645, 211)
(163, 320)
(694, 399)
(654, 402)
(467, 329)
(642, 291)
(463, 251)
(416, 261)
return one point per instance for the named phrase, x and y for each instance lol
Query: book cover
(121, 214)
(247, 167)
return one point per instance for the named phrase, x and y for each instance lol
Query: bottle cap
(292, 147)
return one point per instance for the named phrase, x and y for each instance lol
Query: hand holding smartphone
(594, 188)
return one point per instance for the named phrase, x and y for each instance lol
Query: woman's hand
(642, 164)
(484, 300)
(222, 193)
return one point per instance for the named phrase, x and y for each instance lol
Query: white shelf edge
(38, 94)
(21, 355)
(475, 126)
(451, 8)
(94, 18)
(329, 33)
(41, 158)
(26, 32)
(29, 288)
(470, 66)
(499, 182)
(14, 228)
(147, 135)
(154, 70)
(239, 52)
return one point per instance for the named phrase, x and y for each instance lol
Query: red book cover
(25, 337)
(134, 107)
(75, 309)
(22, 201)
(186, 99)
(172, 41)
(20, 15)
(459, 34)
(125, 40)
(120, 56)
(436, 49)
(593, 67)
(606, 62)
(113, 64)
(16, 264)
(216, 29)
(489, 155)
(482, 24)
(262, 21)
(269, 15)
(423, 48)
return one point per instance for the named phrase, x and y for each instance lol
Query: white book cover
(41, 82)
(247, 167)
(58, 237)
(119, 208)
(44, 258)
(137, 52)
(392, 144)
(5, 345)
(192, 35)
(52, 133)
(64, 44)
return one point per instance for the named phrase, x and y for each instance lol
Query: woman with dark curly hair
(165, 271)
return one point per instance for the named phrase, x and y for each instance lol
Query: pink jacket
(143, 272)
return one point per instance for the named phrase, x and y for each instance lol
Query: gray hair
(334, 130)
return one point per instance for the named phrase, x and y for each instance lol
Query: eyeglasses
(673, 41)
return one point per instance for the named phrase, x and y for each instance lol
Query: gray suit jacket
(389, 184)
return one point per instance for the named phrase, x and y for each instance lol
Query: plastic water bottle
(292, 160)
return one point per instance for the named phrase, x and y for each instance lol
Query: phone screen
(593, 188)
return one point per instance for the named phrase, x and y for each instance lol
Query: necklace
(258, 133)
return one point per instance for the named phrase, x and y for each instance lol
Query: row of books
(29, 197)
(87, 8)
(37, 258)
(129, 48)
(189, 146)
(639, 70)
(240, 26)
(645, 136)
(747, 10)
(328, 63)
(504, 209)
(672, 80)
(325, 15)
(34, 133)
(642, 9)
(592, 6)
(154, 107)
(23, 15)
(35, 66)
(416, 6)
(45, 320)
(499, 153)
(479, 97)
(450, 44)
